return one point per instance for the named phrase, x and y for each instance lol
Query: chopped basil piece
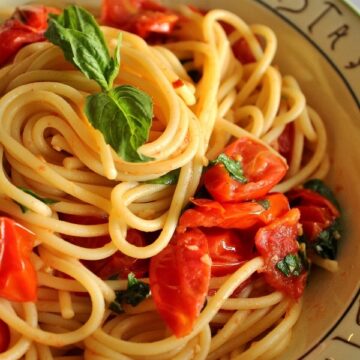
(291, 265)
(116, 307)
(136, 292)
(171, 178)
(233, 167)
(326, 244)
(23, 208)
(46, 201)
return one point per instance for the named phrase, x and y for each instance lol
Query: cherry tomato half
(18, 279)
(141, 17)
(228, 249)
(274, 242)
(27, 25)
(262, 168)
(179, 280)
(316, 212)
(209, 213)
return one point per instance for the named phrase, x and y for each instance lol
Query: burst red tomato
(262, 168)
(4, 336)
(179, 280)
(18, 280)
(209, 213)
(228, 249)
(27, 25)
(118, 264)
(141, 17)
(316, 212)
(274, 242)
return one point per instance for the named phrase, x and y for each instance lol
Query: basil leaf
(116, 307)
(46, 201)
(123, 115)
(132, 280)
(326, 244)
(319, 186)
(291, 265)
(265, 203)
(43, 199)
(233, 167)
(136, 292)
(76, 32)
(170, 178)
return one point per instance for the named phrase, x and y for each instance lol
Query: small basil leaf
(76, 32)
(132, 280)
(170, 178)
(319, 186)
(136, 292)
(232, 166)
(291, 265)
(46, 201)
(23, 208)
(116, 307)
(326, 244)
(123, 115)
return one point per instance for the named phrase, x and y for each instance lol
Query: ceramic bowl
(318, 43)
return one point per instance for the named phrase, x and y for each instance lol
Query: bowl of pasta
(179, 180)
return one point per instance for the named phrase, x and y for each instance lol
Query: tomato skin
(286, 140)
(307, 197)
(118, 263)
(274, 242)
(242, 51)
(26, 26)
(179, 280)
(316, 212)
(262, 168)
(209, 213)
(228, 249)
(141, 17)
(18, 279)
(4, 336)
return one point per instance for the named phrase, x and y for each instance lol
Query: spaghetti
(47, 145)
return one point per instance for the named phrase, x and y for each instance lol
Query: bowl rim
(354, 95)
